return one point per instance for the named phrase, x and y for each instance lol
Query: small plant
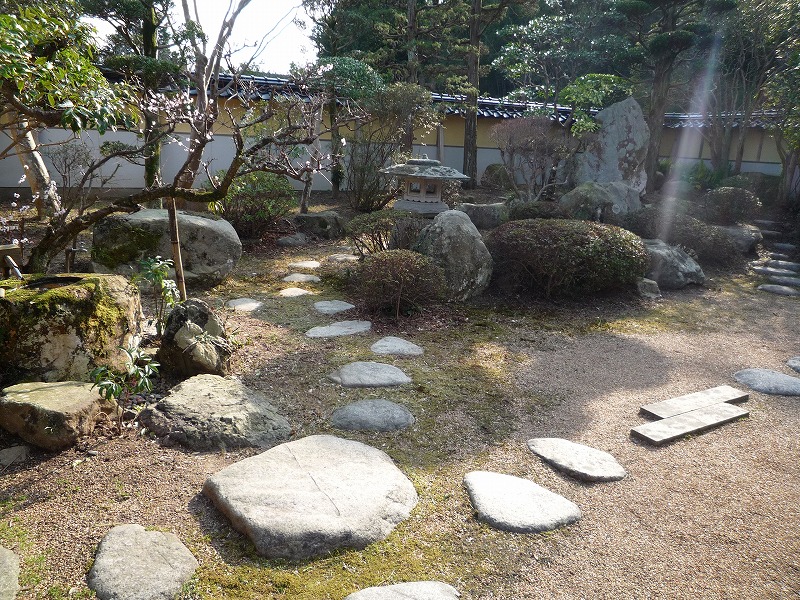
(155, 271)
(383, 229)
(535, 210)
(122, 386)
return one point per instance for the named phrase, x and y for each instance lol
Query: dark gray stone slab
(312, 496)
(9, 574)
(513, 504)
(767, 224)
(780, 290)
(134, 564)
(794, 363)
(773, 271)
(784, 247)
(397, 346)
(695, 421)
(339, 329)
(331, 307)
(372, 415)
(769, 382)
(784, 264)
(414, 590)
(788, 281)
(689, 402)
(771, 234)
(778, 256)
(582, 462)
(369, 374)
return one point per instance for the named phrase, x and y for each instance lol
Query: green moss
(137, 242)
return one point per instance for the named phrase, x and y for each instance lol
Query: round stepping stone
(332, 307)
(243, 304)
(312, 496)
(781, 290)
(372, 415)
(293, 292)
(396, 345)
(136, 564)
(304, 264)
(794, 363)
(773, 271)
(769, 382)
(338, 329)
(784, 247)
(9, 574)
(343, 258)
(784, 264)
(415, 590)
(513, 504)
(790, 281)
(582, 462)
(369, 374)
(301, 278)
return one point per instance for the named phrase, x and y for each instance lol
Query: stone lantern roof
(422, 180)
(424, 168)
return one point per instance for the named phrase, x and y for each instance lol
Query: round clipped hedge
(726, 206)
(564, 257)
(384, 229)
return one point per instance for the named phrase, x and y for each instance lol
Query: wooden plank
(689, 402)
(672, 428)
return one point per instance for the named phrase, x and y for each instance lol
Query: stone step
(766, 224)
(780, 290)
(784, 247)
(784, 264)
(695, 421)
(690, 402)
(770, 234)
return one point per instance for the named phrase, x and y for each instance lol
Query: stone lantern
(422, 180)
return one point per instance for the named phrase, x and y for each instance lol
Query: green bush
(397, 281)
(535, 210)
(737, 181)
(726, 206)
(562, 257)
(255, 202)
(384, 229)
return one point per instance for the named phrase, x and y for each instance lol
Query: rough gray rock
(607, 202)
(514, 504)
(583, 462)
(332, 307)
(780, 290)
(671, 267)
(294, 240)
(647, 288)
(339, 329)
(745, 237)
(52, 415)
(453, 243)
(327, 224)
(209, 412)
(769, 382)
(9, 574)
(243, 304)
(312, 496)
(134, 564)
(301, 278)
(14, 454)
(369, 374)
(194, 341)
(372, 415)
(414, 590)
(396, 346)
(794, 363)
(210, 248)
(618, 150)
(486, 216)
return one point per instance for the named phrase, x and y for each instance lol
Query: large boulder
(486, 216)
(210, 248)
(209, 412)
(617, 151)
(327, 224)
(671, 267)
(605, 202)
(194, 341)
(745, 237)
(453, 243)
(60, 327)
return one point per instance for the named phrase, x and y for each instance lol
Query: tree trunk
(655, 119)
(43, 188)
(412, 69)
(152, 158)
(175, 240)
(337, 171)
(471, 109)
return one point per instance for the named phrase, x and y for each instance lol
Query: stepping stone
(369, 374)
(243, 304)
(372, 415)
(415, 590)
(784, 264)
(689, 402)
(343, 258)
(304, 264)
(294, 240)
(694, 421)
(767, 223)
(790, 281)
(332, 307)
(781, 290)
(784, 247)
(301, 278)
(136, 564)
(294, 292)
(778, 256)
(769, 382)
(312, 496)
(773, 271)
(771, 234)
(583, 462)
(513, 504)
(794, 363)
(396, 345)
(9, 574)
(338, 329)
(14, 454)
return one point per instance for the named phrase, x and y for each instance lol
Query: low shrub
(535, 210)
(726, 206)
(397, 282)
(384, 229)
(564, 257)
(255, 202)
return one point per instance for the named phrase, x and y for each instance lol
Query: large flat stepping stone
(768, 224)
(209, 412)
(790, 281)
(369, 374)
(695, 421)
(582, 462)
(771, 234)
(784, 246)
(397, 346)
(773, 271)
(780, 290)
(294, 292)
(794, 363)
(301, 278)
(332, 307)
(769, 382)
(343, 258)
(134, 564)
(9, 574)
(689, 402)
(339, 329)
(778, 256)
(243, 304)
(415, 590)
(513, 504)
(784, 264)
(309, 497)
(304, 264)
(372, 415)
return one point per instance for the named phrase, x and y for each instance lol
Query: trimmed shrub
(397, 282)
(563, 257)
(255, 202)
(535, 210)
(384, 229)
(726, 206)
